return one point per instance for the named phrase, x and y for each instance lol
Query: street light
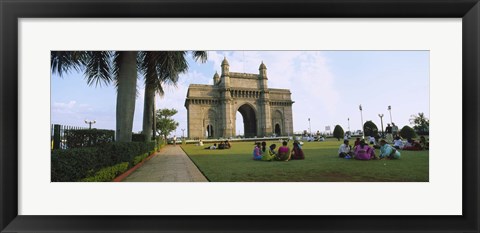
(309, 127)
(390, 110)
(381, 122)
(361, 117)
(348, 119)
(90, 123)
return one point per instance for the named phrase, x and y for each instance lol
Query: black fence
(65, 137)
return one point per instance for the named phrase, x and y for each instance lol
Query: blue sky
(327, 87)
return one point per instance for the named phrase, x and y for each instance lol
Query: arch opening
(278, 130)
(249, 121)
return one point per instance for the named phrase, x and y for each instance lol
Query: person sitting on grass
(221, 145)
(345, 150)
(228, 145)
(398, 143)
(357, 142)
(412, 145)
(297, 152)
(257, 154)
(283, 152)
(271, 153)
(264, 147)
(363, 151)
(211, 147)
(387, 151)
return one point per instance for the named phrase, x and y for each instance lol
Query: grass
(321, 164)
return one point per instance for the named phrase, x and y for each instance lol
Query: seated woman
(363, 151)
(283, 152)
(257, 154)
(221, 145)
(412, 145)
(387, 151)
(271, 154)
(228, 145)
(297, 152)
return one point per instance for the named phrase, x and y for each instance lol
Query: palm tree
(161, 68)
(104, 67)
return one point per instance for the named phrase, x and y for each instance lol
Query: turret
(263, 76)
(216, 78)
(225, 81)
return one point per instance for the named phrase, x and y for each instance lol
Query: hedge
(75, 164)
(76, 138)
(108, 174)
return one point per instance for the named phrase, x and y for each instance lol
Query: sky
(327, 88)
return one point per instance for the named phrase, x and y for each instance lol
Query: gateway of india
(212, 108)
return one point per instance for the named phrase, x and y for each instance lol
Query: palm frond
(63, 61)
(200, 55)
(98, 68)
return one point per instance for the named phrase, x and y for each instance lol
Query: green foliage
(164, 122)
(421, 123)
(75, 164)
(138, 137)
(407, 132)
(88, 137)
(338, 132)
(108, 174)
(140, 158)
(370, 129)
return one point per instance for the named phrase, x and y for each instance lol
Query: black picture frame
(11, 11)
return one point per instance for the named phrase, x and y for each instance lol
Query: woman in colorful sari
(283, 152)
(257, 153)
(387, 151)
(297, 152)
(270, 155)
(363, 151)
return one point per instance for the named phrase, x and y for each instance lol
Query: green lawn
(321, 164)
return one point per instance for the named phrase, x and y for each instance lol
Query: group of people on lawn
(362, 151)
(223, 145)
(284, 153)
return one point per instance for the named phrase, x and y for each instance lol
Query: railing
(58, 140)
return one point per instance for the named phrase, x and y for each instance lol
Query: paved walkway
(171, 164)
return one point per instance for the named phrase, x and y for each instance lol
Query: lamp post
(381, 122)
(361, 117)
(90, 123)
(390, 110)
(348, 119)
(183, 134)
(309, 127)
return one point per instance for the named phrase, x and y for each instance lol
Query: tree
(338, 132)
(165, 124)
(370, 129)
(104, 67)
(158, 68)
(407, 132)
(421, 123)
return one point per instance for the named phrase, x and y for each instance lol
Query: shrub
(407, 132)
(370, 129)
(140, 158)
(76, 138)
(75, 164)
(138, 137)
(338, 132)
(108, 173)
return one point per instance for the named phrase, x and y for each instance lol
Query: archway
(209, 131)
(278, 131)
(249, 121)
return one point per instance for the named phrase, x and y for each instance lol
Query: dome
(225, 62)
(262, 66)
(216, 75)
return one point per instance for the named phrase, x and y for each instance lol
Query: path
(171, 164)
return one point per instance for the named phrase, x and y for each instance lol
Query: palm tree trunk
(154, 123)
(126, 94)
(147, 111)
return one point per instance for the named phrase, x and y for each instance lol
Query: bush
(338, 132)
(407, 132)
(108, 173)
(370, 129)
(138, 137)
(75, 164)
(76, 138)
(140, 158)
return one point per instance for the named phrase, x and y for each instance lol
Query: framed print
(443, 34)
